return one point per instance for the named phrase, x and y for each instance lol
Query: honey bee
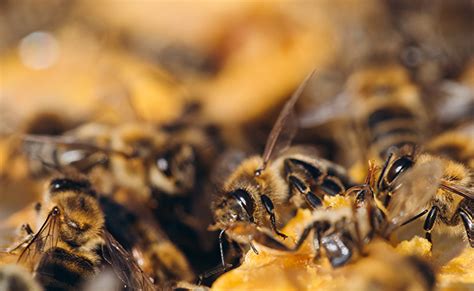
(386, 102)
(261, 187)
(344, 232)
(450, 205)
(245, 198)
(71, 243)
(382, 103)
(137, 156)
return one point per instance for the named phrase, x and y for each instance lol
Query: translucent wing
(225, 165)
(457, 102)
(337, 107)
(326, 100)
(415, 188)
(285, 126)
(71, 143)
(458, 189)
(124, 266)
(43, 240)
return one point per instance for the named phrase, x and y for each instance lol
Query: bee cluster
(361, 179)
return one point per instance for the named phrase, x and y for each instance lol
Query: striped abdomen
(389, 126)
(59, 269)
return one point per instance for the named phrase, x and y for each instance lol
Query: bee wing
(71, 143)
(336, 107)
(456, 102)
(415, 188)
(285, 126)
(458, 189)
(124, 266)
(46, 238)
(225, 165)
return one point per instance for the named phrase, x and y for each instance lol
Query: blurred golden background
(115, 62)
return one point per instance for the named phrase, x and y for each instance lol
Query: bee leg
(303, 237)
(267, 202)
(468, 222)
(429, 222)
(269, 241)
(390, 153)
(313, 200)
(317, 242)
(415, 217)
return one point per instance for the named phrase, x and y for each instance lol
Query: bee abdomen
(59, 269)
(386, 114)
(392, 127)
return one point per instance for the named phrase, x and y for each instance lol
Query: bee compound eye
(61, 185)
(244, 200)
(398, 167)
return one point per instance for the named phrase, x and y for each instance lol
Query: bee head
(174, 171)
(395, 168)
(235, 206)
(81, 219)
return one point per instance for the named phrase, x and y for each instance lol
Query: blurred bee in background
(161, 169)
(139, 157)
(389, 107)
(383, 105)
(71, 244)
(436, 37)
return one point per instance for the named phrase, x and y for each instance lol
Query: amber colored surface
(300, 271)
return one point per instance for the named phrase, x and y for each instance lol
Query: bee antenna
(212, 272)
(221, 248)
(50, 166)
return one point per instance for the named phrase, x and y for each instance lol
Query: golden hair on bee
(424, 185)
(247, 189)
(255, 191)
(71, 243)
